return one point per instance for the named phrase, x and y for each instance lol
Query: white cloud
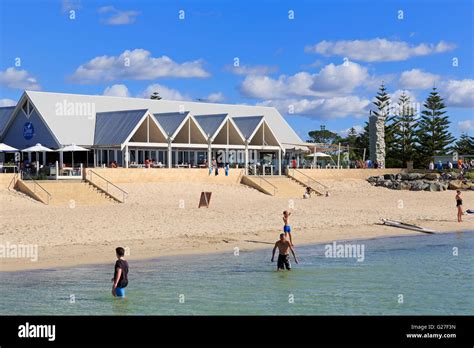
(164, 92)
(418, 79)
(251, 69)
(7, 102)
(215, 97)
(322, 108)
(466, 126)
(339, 78)
(331, 80)
(19, 79)
(118, 90)
(137, 64)
(377, 50)
(117, 17)
(459, 93)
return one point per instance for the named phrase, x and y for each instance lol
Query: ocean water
(421, 268)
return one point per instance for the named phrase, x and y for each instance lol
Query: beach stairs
(278, 186)
(316, 187)
(69, 193)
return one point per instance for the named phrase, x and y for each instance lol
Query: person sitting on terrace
(147, 163)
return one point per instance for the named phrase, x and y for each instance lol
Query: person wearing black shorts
(283, 246)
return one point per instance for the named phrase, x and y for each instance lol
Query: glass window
(119, 157)
(25, 108)
(201, 157)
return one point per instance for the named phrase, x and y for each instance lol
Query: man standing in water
(284, 257)
(120, 278)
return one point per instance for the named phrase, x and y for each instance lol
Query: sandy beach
(161, 219)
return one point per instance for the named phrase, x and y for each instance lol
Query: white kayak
(407, 226)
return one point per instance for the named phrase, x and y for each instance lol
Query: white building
(130, 130)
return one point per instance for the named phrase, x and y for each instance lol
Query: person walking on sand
(286, 227)
(120, 278)
(459, 205)
(283, 246)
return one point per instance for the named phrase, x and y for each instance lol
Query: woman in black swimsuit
(459, 205)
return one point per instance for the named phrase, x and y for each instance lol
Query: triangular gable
(171, 122)
(14, 130)
(248, 125)
(210, 124)
(149, 131)
(116, 127)
(264, 135)
(228, 134)
(190, 132)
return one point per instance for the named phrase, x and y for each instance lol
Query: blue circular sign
(28, 130)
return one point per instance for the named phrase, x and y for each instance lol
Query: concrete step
(64, 192)
(285, 187)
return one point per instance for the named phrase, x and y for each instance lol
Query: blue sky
(318, 62)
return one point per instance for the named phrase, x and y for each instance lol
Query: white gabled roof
(70, 127)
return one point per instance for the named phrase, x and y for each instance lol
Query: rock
(372, 179)
(414, 176)
(405, 185)
(435, 186)
(417, 185)
(398, 177)
(432, 176)
(404, 176)
(455, 185)
(389, 176)
(396, 185)
(388, 184)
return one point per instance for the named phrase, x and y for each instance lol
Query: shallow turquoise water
(421, 268)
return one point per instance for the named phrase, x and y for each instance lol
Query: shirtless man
(284, 257)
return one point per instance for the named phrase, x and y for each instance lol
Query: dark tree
(362, 141)
(433, 136)
(405, 131)
(323, 136)
(465, 145)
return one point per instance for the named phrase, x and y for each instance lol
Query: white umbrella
(72, 148)
(37, 148)
(7, 148)
(315, 156)
(319, 154)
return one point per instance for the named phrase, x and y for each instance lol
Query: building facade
(132, 131)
